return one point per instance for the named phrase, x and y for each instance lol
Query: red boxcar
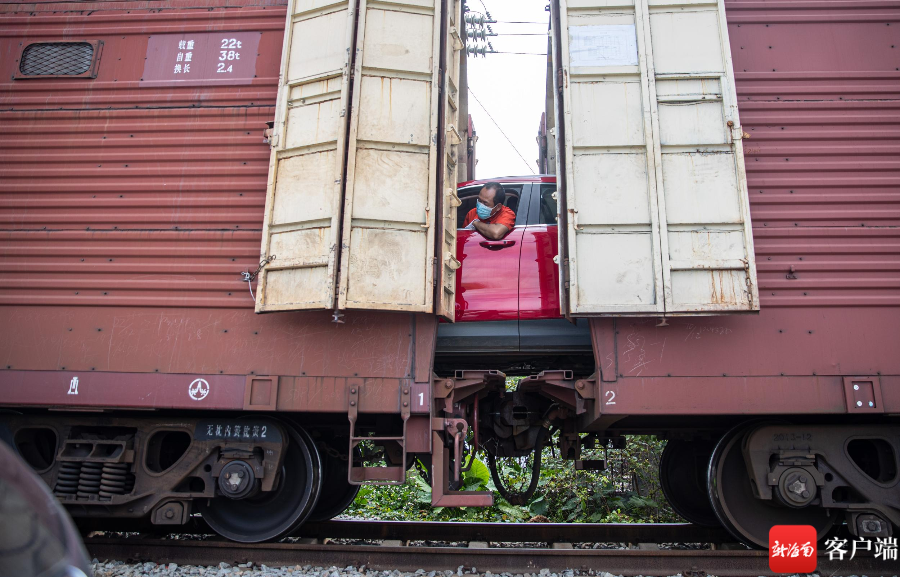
(133, 199)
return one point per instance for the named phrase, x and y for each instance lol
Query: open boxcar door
(390, 206)
(656, 210)
(304, 193)
(354, 180)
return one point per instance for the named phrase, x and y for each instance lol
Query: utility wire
(521, 53)
(501, 131)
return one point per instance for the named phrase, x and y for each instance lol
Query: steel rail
(449, 531)
(514, 560)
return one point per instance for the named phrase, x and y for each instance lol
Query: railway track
(495, 547)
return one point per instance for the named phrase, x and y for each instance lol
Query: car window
(469, 194)
(547, 213)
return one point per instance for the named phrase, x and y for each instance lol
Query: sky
(510, 88)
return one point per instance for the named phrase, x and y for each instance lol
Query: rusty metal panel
(93, 390)
(425, 332)
(301, 228)
(774, 395)
(208, 341)
(789, 341)
(667, 229)
(261, 393)
(863, 395)
(710, 396)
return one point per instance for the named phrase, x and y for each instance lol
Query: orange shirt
(504, 216)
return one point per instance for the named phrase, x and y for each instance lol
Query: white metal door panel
(388, 228)
(707, 245)
(613, 245)
(300, 230)
(657, 209)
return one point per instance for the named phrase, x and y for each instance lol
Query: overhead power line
(501, 131)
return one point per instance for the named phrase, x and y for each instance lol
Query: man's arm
(491, 231)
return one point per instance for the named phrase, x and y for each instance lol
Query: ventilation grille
(57, 59)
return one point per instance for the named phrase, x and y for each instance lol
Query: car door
(538, 273)
(487, 282)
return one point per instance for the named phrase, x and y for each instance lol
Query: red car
(507, 291)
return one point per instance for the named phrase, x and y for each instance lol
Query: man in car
(490, 216)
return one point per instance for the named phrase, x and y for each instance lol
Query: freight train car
(725, 206)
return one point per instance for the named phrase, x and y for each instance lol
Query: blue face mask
(484, 212)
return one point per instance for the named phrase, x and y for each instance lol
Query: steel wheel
(337, 492)
(731, 495)
(275, 513)
(682, 476)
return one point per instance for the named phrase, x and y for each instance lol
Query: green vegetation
(626, 492)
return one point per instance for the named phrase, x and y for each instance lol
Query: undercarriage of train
(260, 477)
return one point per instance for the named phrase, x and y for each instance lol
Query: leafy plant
(627, 491)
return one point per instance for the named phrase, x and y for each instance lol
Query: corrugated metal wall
(128, 210)
(149, 196)
(819, 93)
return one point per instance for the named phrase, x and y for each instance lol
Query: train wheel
(268, 515)
(682, 476)
(337, 492)
(746, 517)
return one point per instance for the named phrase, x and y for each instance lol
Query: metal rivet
(858, 403)
(871, 404)
(353, 391)
(855, 387)
(352, 403)
(405, 404)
